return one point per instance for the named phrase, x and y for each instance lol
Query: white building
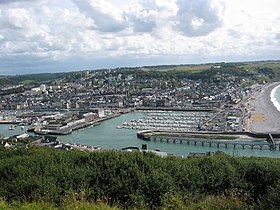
(43, 88)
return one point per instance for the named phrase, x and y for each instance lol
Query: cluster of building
(64, 123)
(26, 140)
(122, 89)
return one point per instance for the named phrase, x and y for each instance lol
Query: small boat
(12, 127)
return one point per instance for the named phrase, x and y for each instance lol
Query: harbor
(56, 123)
(108, 136)
(168, 121)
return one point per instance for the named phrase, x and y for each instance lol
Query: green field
(190, 68)
(253, 66)
(26, 82)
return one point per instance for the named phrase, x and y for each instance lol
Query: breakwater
(218, 139)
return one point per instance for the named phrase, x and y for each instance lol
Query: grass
(82, 205)
(191, 68)
(173, 202)
(261, 65)
(26, 82)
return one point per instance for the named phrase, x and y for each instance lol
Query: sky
(68, 35)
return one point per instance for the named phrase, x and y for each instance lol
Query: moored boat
(12, 127)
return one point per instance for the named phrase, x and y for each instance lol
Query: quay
(176, 109)
(65, 130)
(217, 139)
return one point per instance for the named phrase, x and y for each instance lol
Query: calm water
(106, 135)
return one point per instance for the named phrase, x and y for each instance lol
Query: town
(131, 88)
(77, 100)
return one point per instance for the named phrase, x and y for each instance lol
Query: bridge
(207, 141)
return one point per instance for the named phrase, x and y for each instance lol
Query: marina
(168, 121)
(108, 136)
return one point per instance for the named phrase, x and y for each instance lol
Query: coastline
(263, 116)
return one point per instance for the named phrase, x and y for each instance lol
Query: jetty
(218, 139)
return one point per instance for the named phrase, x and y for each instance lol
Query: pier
(270, 139)
(212, 139)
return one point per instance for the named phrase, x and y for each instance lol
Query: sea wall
(148, 133)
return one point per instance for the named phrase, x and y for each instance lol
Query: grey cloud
(141, 24)
(277, 36)
(151, 14)
(190, 17)
(13, 1)
(103, 21)
(234, 33)
(199, 12)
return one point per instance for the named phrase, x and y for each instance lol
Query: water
(275, 97)
(4, 130)
(106, 135)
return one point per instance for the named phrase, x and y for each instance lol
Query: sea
(275, 97)
(107, 135)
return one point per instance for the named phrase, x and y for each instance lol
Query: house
(50, 138)
(22, 136)
(144, 149)
(4, 144)
(36, 139)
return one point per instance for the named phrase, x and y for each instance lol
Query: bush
(135, 180)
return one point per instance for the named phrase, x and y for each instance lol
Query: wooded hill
(136, 180)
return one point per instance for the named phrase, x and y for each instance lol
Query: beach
(262, 117)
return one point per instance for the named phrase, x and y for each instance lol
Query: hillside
(135, 180)
(189, 71)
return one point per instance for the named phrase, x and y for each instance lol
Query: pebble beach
(262, 114)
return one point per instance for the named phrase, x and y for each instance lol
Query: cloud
(141, 20)
(163, 8)
(199, 17)
(16, 18)
(147, 15)
(15, 1)
(190, 18)
(277, 36)
(106, 17)
(52, 34)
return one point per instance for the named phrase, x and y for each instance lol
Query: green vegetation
(189, 68)
(69, 204)
(26, 82)
(33, 78)
(50, 179)
(212, 75)
(258, 65)
(244, 73)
